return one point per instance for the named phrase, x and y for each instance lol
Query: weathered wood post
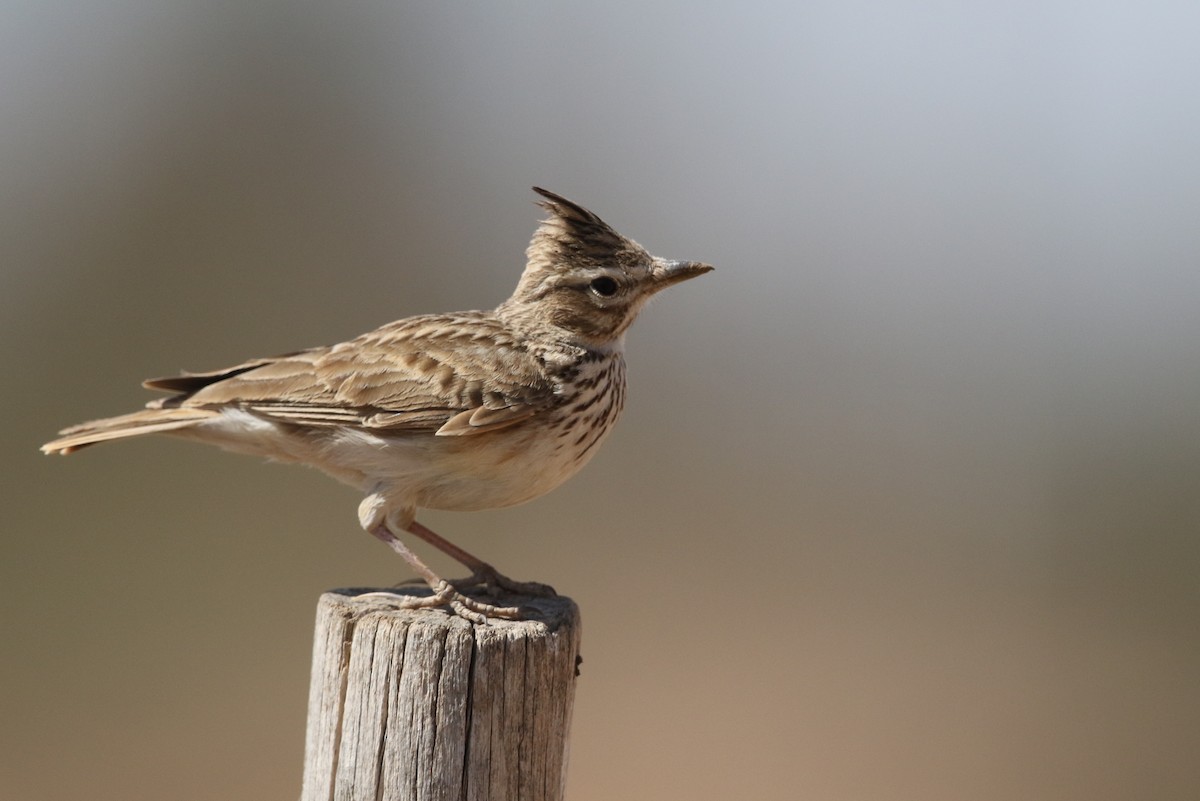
(420, 704)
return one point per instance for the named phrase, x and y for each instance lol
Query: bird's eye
(604, 286)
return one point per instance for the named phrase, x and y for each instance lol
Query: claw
(492, 580)
(445, 594)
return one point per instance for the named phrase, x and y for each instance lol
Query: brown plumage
(470, 410)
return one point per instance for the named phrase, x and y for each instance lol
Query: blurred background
(905, 501)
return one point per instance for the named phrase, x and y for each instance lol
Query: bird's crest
(572, 232)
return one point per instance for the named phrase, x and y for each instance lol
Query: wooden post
(421, 704)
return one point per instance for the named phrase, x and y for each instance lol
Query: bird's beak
(667, 272)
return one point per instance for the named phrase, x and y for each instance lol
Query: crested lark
(465, 411)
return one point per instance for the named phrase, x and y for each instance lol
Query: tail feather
(148, 421)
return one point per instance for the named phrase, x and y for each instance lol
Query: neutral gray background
(905, 503)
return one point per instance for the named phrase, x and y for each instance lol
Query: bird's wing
(450, 374)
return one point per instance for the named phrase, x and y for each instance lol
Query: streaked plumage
(464, 411)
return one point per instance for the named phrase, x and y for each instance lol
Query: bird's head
(584, 279)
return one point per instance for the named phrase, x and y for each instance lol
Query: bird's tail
(147, 421)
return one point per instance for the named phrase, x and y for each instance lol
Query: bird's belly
(476, 471)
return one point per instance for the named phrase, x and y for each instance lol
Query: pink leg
(482, 572)
(444, 593)
(473, 563)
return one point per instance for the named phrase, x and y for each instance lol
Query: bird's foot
(446, 594)
(493, 581)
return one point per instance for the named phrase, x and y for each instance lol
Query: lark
(464, 411)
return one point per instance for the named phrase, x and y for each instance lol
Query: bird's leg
(482, 573)
(383, 519)
(444, 593)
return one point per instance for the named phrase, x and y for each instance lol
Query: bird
(463, 411)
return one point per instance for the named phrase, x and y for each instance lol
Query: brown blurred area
(905, 501)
